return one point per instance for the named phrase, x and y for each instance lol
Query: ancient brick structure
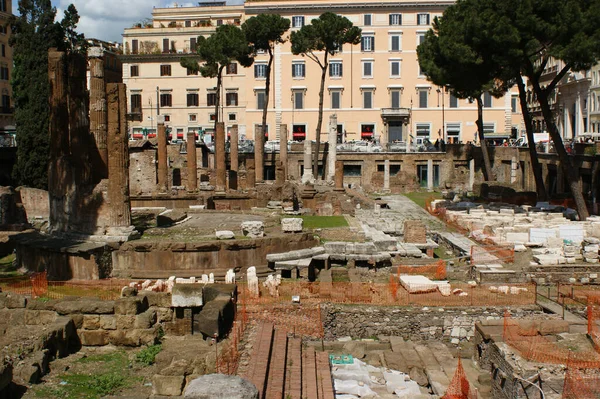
(118, 160)
(192, 164)
(234, 159)
(259, 153)
(98, 115)
(163, 167)
(283, 150)
(415, 232)
(220, 157)
(339, 175)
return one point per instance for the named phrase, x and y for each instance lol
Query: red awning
(151, 135)
(179, 135)
(366, 135)
(138, 136)
(299, 135)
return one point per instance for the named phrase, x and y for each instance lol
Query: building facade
(375, 88)
(7, 120)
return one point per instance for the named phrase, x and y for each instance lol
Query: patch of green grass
(147, 355)
(113, 375)
(419, 197)
(7, 269)
(324, 222)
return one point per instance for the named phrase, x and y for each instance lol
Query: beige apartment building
(375, 88)
(7, 121)
(594, 100)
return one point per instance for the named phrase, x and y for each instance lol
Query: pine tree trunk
(487, 165)
(259, 141)
(320, 122)
(571, 170)
(540, 188)
(218, 97)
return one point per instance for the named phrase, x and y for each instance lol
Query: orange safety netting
(459, 387)
(391, 294)
(489, 254)
(228, 357)
(37, 285)
(581, 384)
(436, 271)
(593, 318)
(535, 347)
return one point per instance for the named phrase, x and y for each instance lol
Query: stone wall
(164, 259)
(35, 202)
(448, 324)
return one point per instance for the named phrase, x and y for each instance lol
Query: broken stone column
(560, 179)
(98, 115)
(220, 157)
(283, 150)
(339, 175)
(332, 155)
(250, 175)
(471, 174)
(307, 176)
(259, 153)
(430, 174)
(118, 160)
(279, 173)
(252, 282)
(386, 175)
(163, 167)
(192, 163)
(233, 158)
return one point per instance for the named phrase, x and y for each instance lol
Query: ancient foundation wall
(35, 202)
(183, 202)
(446, 324)
(163, 259)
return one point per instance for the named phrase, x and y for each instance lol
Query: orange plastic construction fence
(37, 285)
(581, 384)
(459, 387)
(436, 271)
(229, 354)
(535, 347)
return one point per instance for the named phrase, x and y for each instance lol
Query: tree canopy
(263, 32)
(325, 35)
(214, 53)
(33, 32)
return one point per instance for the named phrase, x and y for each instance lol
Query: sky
(106, 19)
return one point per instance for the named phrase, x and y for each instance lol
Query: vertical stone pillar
(220, 157)
(279, 173)
(307, 175)
(233, 158)
(163, 167)
(192, 162)
(118, 161)
(339, 175)
(386, 175)
(283, 150)
(259, 153)
(471, 174)
(250, 174)
(332, 139)
(430, 174)
(79, 122)
(560, 179)
(59, 171)
(98, 115)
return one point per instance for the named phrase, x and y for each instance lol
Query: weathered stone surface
(167, 385)
(219, 386)
(145, 320)
(131, 306)
(415, 232)
(178, 367)
(418, 375)
(187, 295)
(12, 301)
(85, 306)
(291, 225)
(91, 322)
(93, 338)
(225, 235)
(170, 217)
(107, 322)
(161, 299)
(216, 317)
(253, 229)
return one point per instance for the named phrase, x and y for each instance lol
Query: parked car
(246, 146)
(272, 146)
(397, 146)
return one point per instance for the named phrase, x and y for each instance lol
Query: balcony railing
(395, 112)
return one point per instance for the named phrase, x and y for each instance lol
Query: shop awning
(138, 136)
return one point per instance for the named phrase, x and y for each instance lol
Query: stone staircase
(283, 369)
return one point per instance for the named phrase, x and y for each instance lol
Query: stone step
(309, 374)
(293, 369)
(324, 376)
(411, 357)
(438, 380)
(276, 378)
(260, 358)
(427, 358)
(444, 357)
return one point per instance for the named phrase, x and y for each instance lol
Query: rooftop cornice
(129, 58)
(257, 7)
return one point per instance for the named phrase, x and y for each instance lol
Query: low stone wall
(146, 259)
(448, 324)
(35, 202)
